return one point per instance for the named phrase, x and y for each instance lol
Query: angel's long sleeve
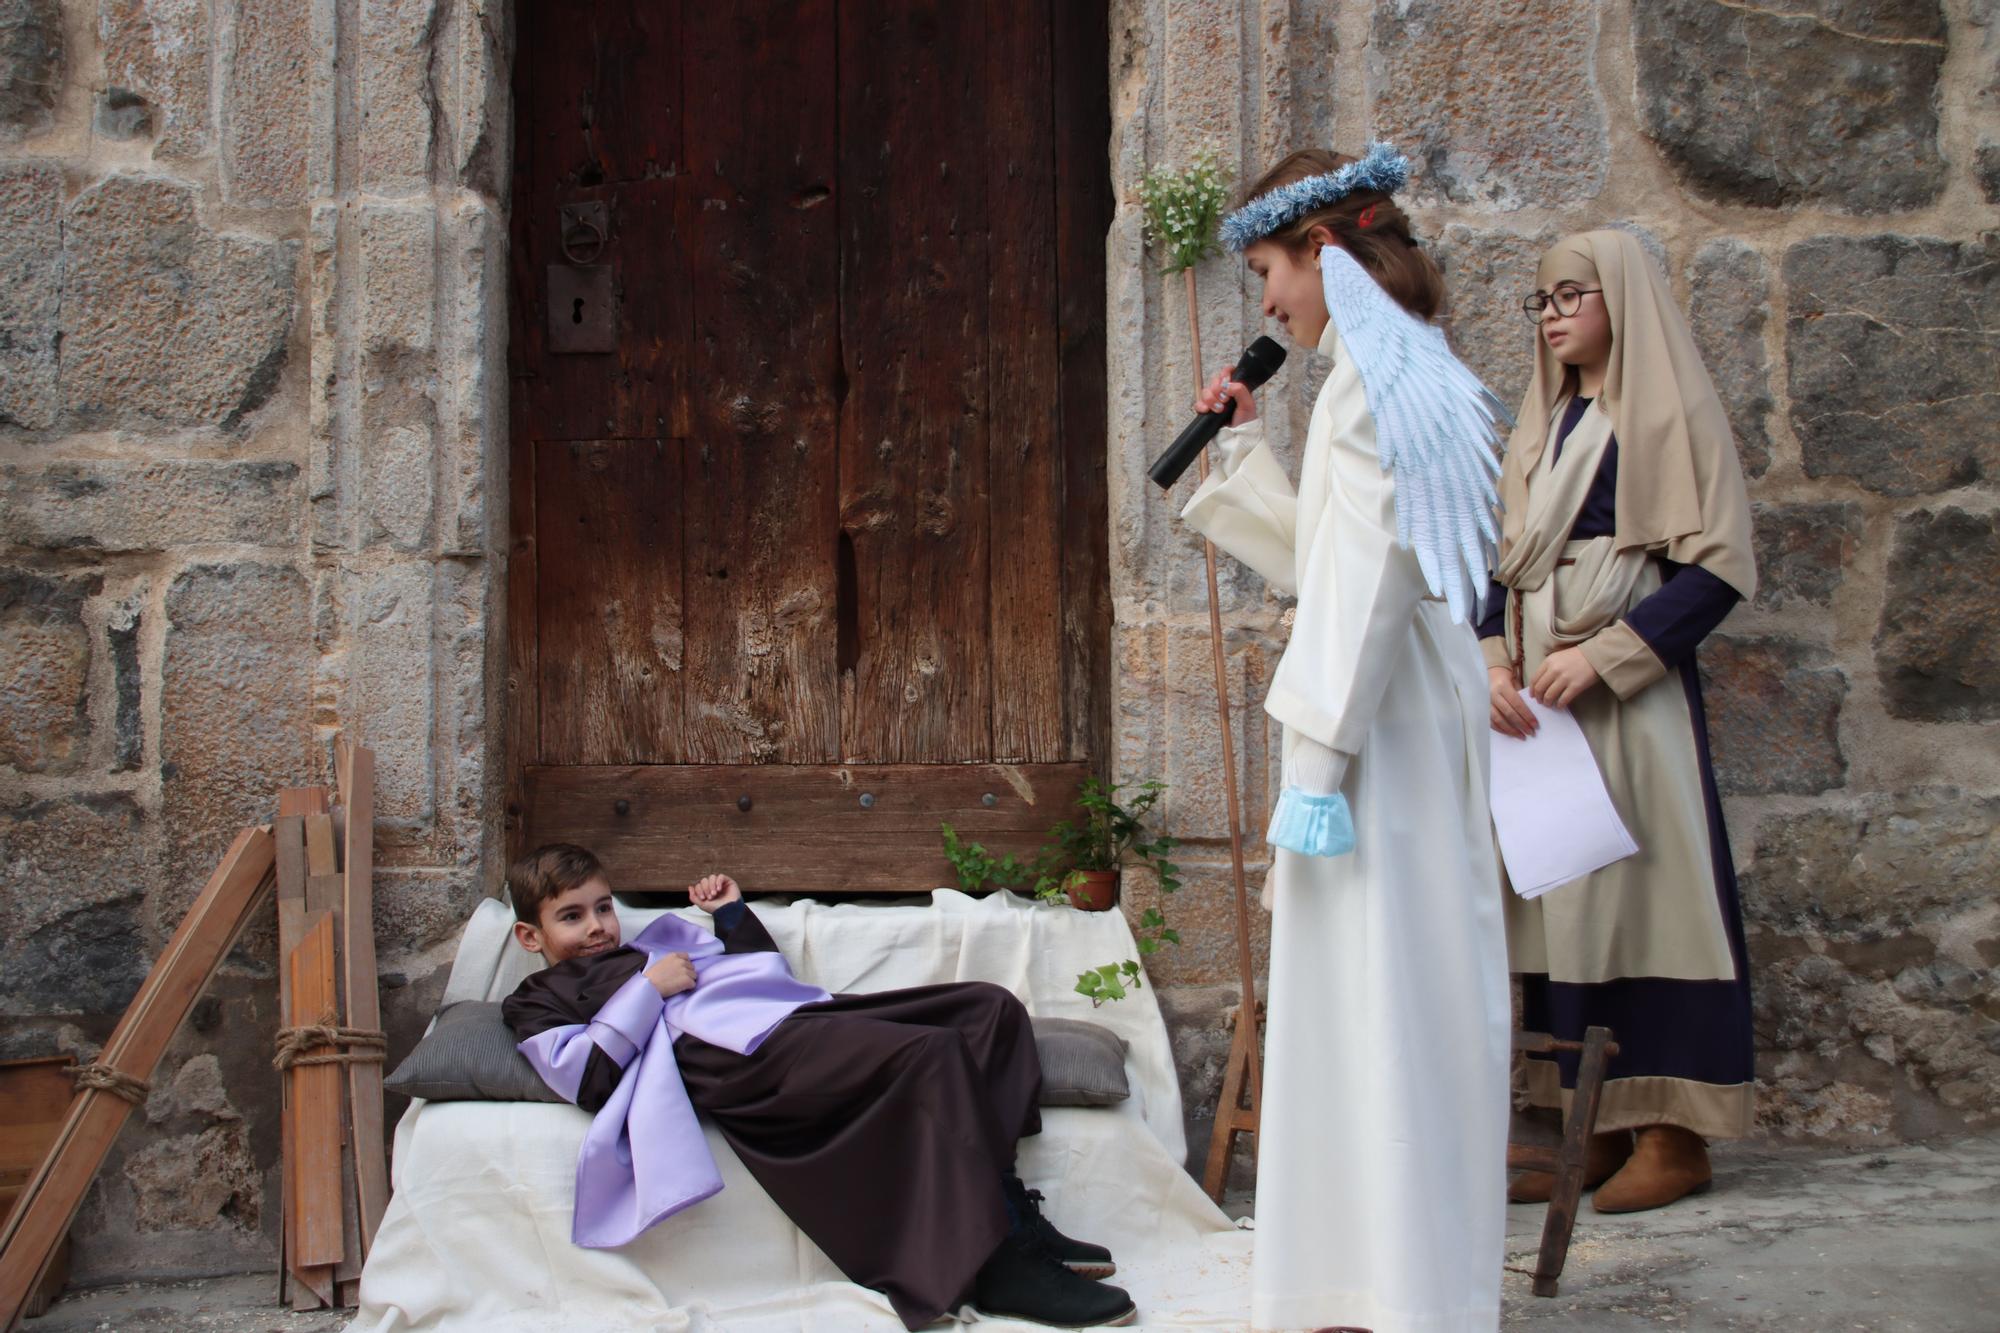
(1248, 507)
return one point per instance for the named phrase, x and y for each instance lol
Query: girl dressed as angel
(1382, 1143)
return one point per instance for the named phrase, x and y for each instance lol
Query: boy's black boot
(1022, 1280)
(1079, 1256)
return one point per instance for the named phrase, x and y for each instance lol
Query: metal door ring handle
(590, 234)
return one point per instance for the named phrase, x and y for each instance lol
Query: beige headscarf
(1680, 485)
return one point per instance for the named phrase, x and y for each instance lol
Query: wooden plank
(761, 679)
(523, 642)
(609, 601)
(913, 437)
(289, 836)
(176, 980)
(34, 1102)
(315, 1094)
(320, 859)
(304, 801)
(362, 998)
(1083, 201)
(1025, 608)
(806, 828)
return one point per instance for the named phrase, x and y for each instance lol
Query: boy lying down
(882, 1124)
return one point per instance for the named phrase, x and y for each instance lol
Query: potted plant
(1110, 834)
(1083, 862)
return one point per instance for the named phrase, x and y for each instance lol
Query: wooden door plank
(1024, 456)
(599, 119)
(362, 997)
(913, 439)
(761, 681)
(807, 827)
(523, 697)
(36, 1225)
(609, 601)
(1083, 200)
(315, 1091)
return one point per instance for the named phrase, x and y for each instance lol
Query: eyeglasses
(1566, 300)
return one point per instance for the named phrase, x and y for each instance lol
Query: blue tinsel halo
(1380, 168)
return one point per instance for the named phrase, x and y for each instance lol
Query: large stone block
(31, 198)
(1496, 101)
(416, 910)
(45, 652)
(1874, 867)
(236, 684)
(1803, 550)
(87, 961)
(267, 78)
(397, 94)
(1775, 104)
(66, 855)
(1487, 274)
(1893, 373)
(31, 65)
(1773, 715)
(1937, 649)
(158, 51)
(165, 322)
(1730, 305)
(1204, 912)
(1197, 804)
(399, 249)
(392, 687)
(119, 505)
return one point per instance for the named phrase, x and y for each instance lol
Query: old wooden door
(808, 492)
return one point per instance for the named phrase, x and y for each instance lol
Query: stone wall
(1819, 180)
(252, 430)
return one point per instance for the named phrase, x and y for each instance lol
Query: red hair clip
(1367, 218)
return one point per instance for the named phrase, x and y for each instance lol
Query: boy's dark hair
(1384, 246)
(548, 872)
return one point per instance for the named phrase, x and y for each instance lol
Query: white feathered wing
(1436, 431)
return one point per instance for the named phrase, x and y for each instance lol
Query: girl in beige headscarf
(1626, 539)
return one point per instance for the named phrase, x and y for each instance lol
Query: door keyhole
(576, 312)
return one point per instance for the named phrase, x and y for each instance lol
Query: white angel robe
(1382, 1144)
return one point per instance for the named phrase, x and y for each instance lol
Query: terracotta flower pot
(1093, 890)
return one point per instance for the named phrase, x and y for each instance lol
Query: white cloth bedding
(477, 1230)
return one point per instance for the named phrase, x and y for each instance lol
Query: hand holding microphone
(1260, 360)
(1225, 394)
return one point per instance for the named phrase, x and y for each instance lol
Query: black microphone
(1260, 361)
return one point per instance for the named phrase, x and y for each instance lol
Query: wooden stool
(1566, 1163)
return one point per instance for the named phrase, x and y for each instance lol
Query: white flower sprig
(1184, 208)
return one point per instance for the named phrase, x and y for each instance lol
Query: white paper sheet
(1553, 816)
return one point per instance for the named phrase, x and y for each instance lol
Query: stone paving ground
(1792, 1240)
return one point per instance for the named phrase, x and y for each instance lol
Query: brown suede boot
(1667, 1163)
(1602, 1157)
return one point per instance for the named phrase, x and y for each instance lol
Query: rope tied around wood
(100, 1077)
(294, 1044)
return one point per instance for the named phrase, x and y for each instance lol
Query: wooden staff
(1244, 1072)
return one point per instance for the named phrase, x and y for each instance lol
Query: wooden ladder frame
(1565, 1162)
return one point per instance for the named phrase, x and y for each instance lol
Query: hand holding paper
(1554, 818)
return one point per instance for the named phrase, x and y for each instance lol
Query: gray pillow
(1083, 1064)
(469, 1056)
